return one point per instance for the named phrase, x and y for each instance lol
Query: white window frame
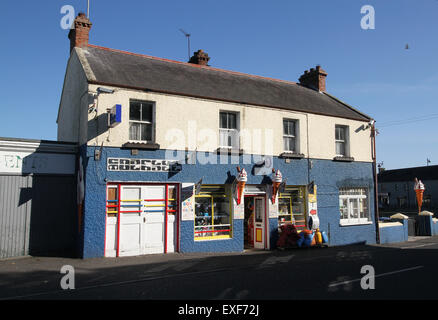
(345, 141)
(295, 136)
(351, 198)
(142, 122)
(229, 133)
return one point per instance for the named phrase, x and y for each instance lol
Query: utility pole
(376, 194)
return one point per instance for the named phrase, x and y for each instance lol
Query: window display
(212, 213)
(291, 207)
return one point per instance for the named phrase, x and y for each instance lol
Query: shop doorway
(141, 219)
(255, 222)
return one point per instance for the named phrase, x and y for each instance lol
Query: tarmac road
(402, 271)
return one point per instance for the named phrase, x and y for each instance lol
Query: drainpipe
(376, 205)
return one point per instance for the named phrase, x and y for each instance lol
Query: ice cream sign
(419, 190)
(242, 178)
(277, 179)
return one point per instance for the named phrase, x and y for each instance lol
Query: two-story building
(162, 143)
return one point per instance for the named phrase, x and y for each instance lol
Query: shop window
(228, 130)
(212, 213)
(141, 123)
(291, 207)
(112, 201)
(354, 206)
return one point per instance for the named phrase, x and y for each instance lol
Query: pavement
(401, 271)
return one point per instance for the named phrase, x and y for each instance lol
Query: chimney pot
(79, 34)
(315, 78)
(200, 57)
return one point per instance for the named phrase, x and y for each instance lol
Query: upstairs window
(341, 141)
(290, 135)
(228, 130)
(141, 121)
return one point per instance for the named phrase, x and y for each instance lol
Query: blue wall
(394, 234)
(328, 175)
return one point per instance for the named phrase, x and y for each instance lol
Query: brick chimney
(80, 31)
(314, 78)
(200, 57)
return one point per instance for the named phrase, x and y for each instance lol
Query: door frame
(118, 185)
(265, 224)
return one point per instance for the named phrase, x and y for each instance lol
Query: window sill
(343, 159)
(213, 238)
(291, 155)
(141, 145)
(351, 224)
(229, 151)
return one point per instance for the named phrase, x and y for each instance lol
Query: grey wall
(38, 215)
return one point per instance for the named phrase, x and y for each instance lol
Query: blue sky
(369, 69)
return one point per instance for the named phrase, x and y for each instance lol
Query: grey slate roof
(409, 174)
(122, 69)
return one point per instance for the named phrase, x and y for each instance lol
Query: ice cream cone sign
(277, 178)
(419, 190)
(241, 181)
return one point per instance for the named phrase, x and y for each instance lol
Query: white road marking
(379, 275)
(419, 246)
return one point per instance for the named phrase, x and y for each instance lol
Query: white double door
(143, 228)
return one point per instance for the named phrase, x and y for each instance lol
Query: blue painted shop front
(328, 175)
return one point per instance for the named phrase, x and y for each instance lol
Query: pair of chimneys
(80, 33)
(79, 36)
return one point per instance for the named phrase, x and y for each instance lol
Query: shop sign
(147, 165)
(32, 162)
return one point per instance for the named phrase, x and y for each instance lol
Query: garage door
(144, 221)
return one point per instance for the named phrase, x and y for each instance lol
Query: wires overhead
(425, 117)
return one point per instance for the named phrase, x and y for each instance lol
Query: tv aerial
(188, 40)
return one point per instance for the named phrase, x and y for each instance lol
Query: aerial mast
(188, 41)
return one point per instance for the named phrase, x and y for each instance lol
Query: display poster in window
(273, 210)
(239, 210)
(187, 199)
(311, 202)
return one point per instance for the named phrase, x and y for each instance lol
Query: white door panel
(111, 236)
(130, 222)
(154, 219)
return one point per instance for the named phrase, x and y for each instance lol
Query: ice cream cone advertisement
(241, 182)
(277, 178)
(419, 190)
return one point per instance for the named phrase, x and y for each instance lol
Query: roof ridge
(190, 64)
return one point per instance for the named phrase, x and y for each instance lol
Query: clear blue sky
(369, 69)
